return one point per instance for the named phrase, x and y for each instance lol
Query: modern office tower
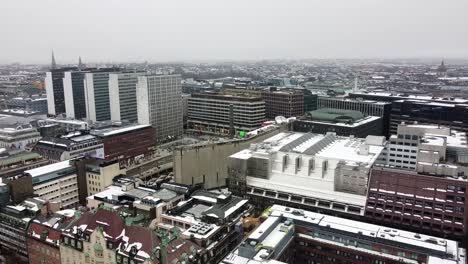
(97, 94)
(283, 102)
(225, 114)
(448, 111)
(74, 93)
(342, 122)
(57, 183)
(367, 107)
(290, 235)
(123, 96)
(317, 172)
(310, 101)
(159, 100)
(55, 91)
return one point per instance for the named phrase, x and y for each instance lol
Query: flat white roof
(114, 131)
(49, 168)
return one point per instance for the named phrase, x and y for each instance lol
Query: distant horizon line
(189, 61)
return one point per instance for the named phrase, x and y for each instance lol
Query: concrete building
(100, 173)
(96, 86)
(44, 236)
(283, 102)
(324, 173)
(69, 146)
(18, 137)
(423, 147)
(366, 107)
(224, 114)
(123, 96)
(159, 101)
(15, 163)
(19, 188)
(207, 162)
(14, 221)
(38, 105)
(56, 183)
(74, 94)
(290, 235)
(341, 122)
(421, 181)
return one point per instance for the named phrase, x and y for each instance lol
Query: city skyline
(209, 30)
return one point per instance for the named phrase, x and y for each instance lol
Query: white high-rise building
(159, 101)
(96, 87)
(122, 96)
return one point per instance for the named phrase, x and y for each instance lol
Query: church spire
(54, 64)
(80, 63)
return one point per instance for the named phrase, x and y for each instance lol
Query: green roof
(335, 115)
(19, 158)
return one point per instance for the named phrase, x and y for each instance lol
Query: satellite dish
(280, 119)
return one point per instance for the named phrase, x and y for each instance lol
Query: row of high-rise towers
(102, 94)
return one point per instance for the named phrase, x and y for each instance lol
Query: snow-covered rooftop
(272, 231)
(49, 168)
(114, 131)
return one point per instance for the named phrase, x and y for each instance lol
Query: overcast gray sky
(173, 30)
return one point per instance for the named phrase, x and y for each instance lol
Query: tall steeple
(54, 64)
(80, 63)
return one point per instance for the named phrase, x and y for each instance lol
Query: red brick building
(127, 143)
(43, 237)
(428, 204)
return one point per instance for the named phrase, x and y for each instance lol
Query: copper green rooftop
(335, 115)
